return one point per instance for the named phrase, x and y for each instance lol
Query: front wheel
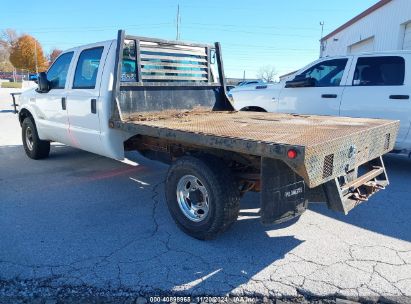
(34, 147)
(202, 196)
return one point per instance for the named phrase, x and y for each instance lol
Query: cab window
(57, 74)
(327, 73)
(87, 68)
(128, 64)
(379, 71)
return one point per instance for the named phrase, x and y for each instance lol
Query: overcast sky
(284, 34)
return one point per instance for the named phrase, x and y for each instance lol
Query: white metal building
(384, 26)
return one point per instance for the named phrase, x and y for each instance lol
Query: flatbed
(271, 134)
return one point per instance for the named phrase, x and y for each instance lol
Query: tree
(54, 54)
(6, 66)
(267, 73)
(7, 38)
(25, 52)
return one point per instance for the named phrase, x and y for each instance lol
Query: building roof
(356, 18)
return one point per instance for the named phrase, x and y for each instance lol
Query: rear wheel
(34, 147)
(202, 196)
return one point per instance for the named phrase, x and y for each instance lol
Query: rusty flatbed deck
(298, 130)
(272, 134)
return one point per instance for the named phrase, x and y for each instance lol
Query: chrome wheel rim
(29, 138)
(192, 198)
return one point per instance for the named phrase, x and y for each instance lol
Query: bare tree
(267, 73)
(7, 38)
(53, 55)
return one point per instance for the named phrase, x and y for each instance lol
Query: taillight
(291, 154)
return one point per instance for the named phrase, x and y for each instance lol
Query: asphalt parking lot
(79, 221)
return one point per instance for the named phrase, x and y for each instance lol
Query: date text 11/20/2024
(200, 299)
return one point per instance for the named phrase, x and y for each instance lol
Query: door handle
(94, 106)
(400, 97)
(329, 95)
(63, 103)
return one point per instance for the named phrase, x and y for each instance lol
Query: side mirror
(300, 82)
(43, 83)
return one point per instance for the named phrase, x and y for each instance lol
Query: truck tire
(202, 196)
(34, 147)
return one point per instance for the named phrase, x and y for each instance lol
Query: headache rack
(156, 75)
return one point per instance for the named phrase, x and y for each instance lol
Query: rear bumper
(284, 194)
(342, 194)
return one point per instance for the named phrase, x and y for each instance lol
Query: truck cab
(75, 108)
(374, 85)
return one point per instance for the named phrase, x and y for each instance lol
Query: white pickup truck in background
(374, 85)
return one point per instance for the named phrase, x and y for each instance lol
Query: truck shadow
(389, 211)
(113, 220)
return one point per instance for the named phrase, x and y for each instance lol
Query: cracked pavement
(78, 220)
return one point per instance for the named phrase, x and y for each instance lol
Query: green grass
(11, 85)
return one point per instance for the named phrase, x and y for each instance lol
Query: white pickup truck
(375, 85)
(162, 99)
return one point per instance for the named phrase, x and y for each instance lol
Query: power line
(97, 29)
(212, 27)
(259, 26)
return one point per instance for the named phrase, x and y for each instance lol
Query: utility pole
(321, 39)
(244, 75)
(35, 56)
(178, 22)
(322, 28)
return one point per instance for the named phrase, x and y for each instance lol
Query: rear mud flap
(282, 192)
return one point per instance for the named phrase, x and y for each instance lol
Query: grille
(328, 166)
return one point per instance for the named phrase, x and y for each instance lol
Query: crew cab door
(379, 88)
(257, 97)
(83, 99)
(324, 95)
(50, 106)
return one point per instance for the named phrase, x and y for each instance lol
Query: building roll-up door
(407, 37)
(366, 45)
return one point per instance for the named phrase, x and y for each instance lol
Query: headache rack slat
(171, 50)
(175, 64)
(172, 58)
(170, 77)
(171, 71)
